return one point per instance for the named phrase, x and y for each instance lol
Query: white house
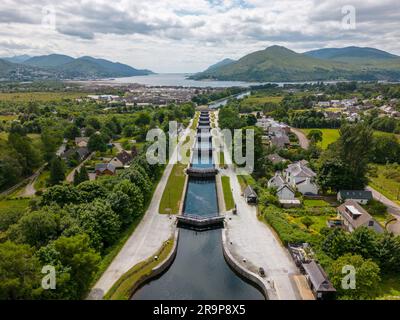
(285, 192)
(298, 175)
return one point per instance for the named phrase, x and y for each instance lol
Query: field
(40, 96)
(226, 186)
(8, 117)
(328, 136)
(14, 205)
(260, 100)
(244, 181)
(389, 187)
(172, 196)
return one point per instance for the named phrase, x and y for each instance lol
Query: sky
(189, 35)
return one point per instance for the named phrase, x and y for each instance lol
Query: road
(393, 209)
(70, 177)
(304, 142)
(148, 237)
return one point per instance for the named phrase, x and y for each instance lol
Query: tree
(97, 143)
(134, 193)
(80, 176)
(336, 243)
(333, 174)
(367, 277)
(100, 222)
(27, 156)
(121, 204)
(315, 136)
(386, 149)
(19, 272)
(354, 149)
(307, 221)
(10, 171)
(61, 195)
(75, 262)
(71, 132)
(90, 190)
(36, 228)
(57, 171)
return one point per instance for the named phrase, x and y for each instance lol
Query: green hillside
(281, 64)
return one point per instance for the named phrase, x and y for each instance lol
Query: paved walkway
(304, 142)
(393, 209)
(148, 237)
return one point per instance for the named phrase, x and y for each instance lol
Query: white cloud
(179, 36)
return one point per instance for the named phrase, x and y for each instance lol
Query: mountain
(17, 59)
(57, 66)
(278, 63)
(49, 61)
(220, 64)
(350, 53)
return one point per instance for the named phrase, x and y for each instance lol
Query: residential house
(250, 195)
(275, 158)
(280, 141)
(285, 193)
(360, 196)
(319, 282)
(121, 160)
(82, 141)
(105, 169)
(76, 153)
(300, 176)
(354, 216)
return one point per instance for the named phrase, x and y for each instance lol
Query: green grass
(226, 187)
(260, 99)
(41, 181)
(40, 96)
(387, 134)
(172, 196)
(195, 121)
(245, 180)
(221, 159)
(123, 288)
(328, 136)
(8, 117)
(389, 288)
(315, 203)
(15, 205)
(390, 188)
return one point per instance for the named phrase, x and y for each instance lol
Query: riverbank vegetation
(126, 285)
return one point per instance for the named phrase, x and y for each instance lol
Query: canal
(199, 270)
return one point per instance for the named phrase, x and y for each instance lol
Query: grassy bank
(172, 196)
(226, 186)
(124, 287)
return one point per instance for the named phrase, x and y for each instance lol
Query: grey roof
(275, 158)
(361, 220)
(104, 166)
(300, 169)
(318, 277)
(355, 194)
(280, 141)
(124, 157)
(286, 186)
(277, 180)
(249, 192)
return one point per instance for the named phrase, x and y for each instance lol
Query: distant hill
(57, 66)
(278, 63)
(350, 53)
(49, 61)
(220, 64)
(17, 59)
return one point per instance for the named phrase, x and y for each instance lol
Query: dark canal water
(199, 270)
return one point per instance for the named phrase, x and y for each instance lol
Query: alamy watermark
(204, 145)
